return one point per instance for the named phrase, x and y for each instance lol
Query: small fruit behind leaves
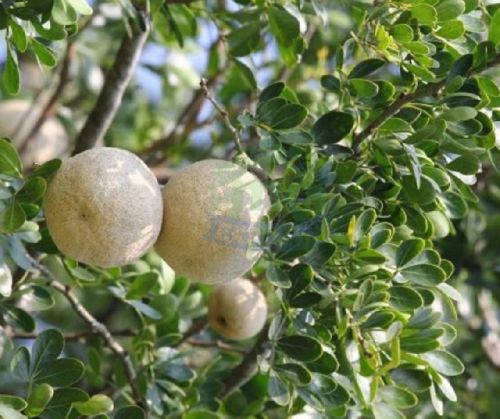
(211, 219)
(237, 310)
(103, 207)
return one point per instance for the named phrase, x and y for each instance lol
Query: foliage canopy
(372, 124)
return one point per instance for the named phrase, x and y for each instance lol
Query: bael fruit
(237, 310)
(103, 207)
(212, 210)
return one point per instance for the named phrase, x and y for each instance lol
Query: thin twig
(245, 370)
(215, 344)
(195, 328)
(186, 119)
(115, 84)
(403, 99)
(97, 326)
(51, 105)
(225, 115)
(249, 163)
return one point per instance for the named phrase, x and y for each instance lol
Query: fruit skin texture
(237, 310)
(50, 141)
(103, 207)
(212, 210)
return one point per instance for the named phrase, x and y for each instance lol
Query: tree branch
(195, 328)
(99, 328)
(225, 115)
(215, 344)
(50, 107)
(245, 370)
(403, 99)
(115, 84)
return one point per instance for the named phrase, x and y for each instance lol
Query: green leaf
(409, 250)
(424, 13)
(10, 163)
(301, 348)
(397, 396)
(405, 298)
(460, 113)
(13, 401)
(424, 274)
(130, 412)
(423, 195)
(20, 364)
(332, 127)
(63, 13)
(288, 116)
(366, 67)
(47, 169)
(306, 299)
(494, 33)
(60, 373)
(33, 190)
(449, 9)
(424, 318)
(18, 36)
(421, 341)
(325, 364)
(416, 380)
(141, 285)
(200, 414)
(379, 319)
(271, 91)
(46, 349)
(43, 53)
(468, 164)
(96, 405)
(278, 390)
(8, 413)
(284, 26)
(244, 40)
(11, 75)
(294, 372)
(402, 32)
(295, 247)
(364, 88)
(385, 411)
(80, 6)
(444, 362)
(330, 83)
(246, 74)
(451, 29)
(62, 402)
(40, 396)
(12, 217)
(363, 224)
(277, 276)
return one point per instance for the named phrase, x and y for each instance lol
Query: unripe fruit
(103, 207)
(17, 118)
(212, 210)
(237, 310)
